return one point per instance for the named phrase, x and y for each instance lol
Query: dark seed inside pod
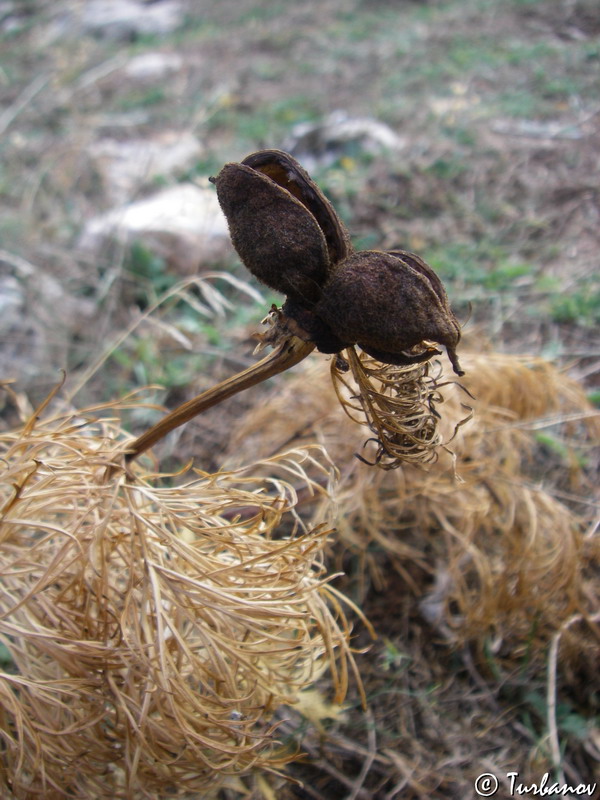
(389, 304)
(276, 236)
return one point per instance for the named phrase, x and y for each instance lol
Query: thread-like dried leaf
(490, 552)
(153, 627)
(396, 403)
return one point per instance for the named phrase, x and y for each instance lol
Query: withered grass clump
(492, 548)
(152, 627)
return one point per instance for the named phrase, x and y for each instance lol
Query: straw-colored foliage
(153, 625)
(485, 539)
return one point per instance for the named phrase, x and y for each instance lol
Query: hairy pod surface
(286, 172)
(388, 304)
(282, 226)
(276, 237)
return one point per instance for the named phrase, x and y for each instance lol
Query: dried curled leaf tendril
(397, 403)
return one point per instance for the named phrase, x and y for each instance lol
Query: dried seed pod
(282, 226)
(287, 173)
(289, 236)
(388, 304)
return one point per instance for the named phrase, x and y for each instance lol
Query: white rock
(125, 166)
(153, 66)
(38, 321)
(10, 17)
(183, 224)
(321, 143)
(124, 19)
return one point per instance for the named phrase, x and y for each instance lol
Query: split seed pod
(281, 224)
(388, 304)
(290, 237)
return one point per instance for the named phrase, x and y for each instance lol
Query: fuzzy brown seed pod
(287, 173)
(388, 304)
(284, 229)
(290, 237)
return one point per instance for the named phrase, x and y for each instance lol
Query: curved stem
(291, 351)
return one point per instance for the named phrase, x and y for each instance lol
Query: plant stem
(291, 351)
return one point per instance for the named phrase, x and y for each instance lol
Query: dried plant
(392, 305)
(396, 403)
(152, 628)
(490, 551)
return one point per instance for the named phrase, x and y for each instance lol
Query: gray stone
(320, 144)
(152, 66)
(126, 19)
(12, 303)
(183, 224)
(126, 166)
(38, 318)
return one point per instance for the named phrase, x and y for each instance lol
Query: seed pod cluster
(288, 235)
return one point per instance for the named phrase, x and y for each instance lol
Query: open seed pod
(290, 237)
(284, 229)
(287, 173)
